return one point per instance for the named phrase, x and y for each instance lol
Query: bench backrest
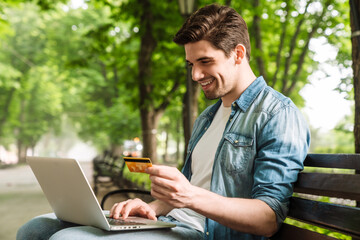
(305, 207)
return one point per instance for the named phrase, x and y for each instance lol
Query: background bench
(311, 187)
(108, 169)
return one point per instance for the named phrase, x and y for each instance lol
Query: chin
(211, 96)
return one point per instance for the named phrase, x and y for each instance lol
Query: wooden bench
(310, 187)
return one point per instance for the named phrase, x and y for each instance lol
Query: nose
(197, 73)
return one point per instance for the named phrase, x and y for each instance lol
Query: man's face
(213, 70)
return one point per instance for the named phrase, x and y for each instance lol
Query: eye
(207, 61)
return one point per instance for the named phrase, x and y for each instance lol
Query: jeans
(49, 227)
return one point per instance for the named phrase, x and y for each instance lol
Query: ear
(240, 53)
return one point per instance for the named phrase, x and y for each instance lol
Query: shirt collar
(249, 95)
(246, 98)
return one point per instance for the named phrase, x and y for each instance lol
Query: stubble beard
(212, 95)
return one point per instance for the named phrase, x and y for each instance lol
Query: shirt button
(207, 233)
(234, 104)
(236, 141)
(230, 119)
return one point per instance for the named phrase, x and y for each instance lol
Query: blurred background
(97, 80)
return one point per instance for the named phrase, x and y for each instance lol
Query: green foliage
(338, 140)
(40, 105)
(30, 92)
(84, 63)
(141, 179)
(108, 126)
(165, 20)
(334, 142)
(8, 77)
(281, 32)
(317, 229)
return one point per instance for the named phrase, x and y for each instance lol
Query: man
(245, 151)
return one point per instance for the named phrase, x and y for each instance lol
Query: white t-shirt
(202, 164)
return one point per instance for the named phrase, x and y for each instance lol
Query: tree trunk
(355, 40)
(188, 121)
(147, 112)
(178, 127)
(21, 152)
(20, 146)
(150, 114)
(149, 124)
(195, 102)
(166, 148)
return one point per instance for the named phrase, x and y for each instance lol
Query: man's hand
(253, 216)
(169, 185)
(132, 207)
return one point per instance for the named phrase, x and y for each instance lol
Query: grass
(16, 208)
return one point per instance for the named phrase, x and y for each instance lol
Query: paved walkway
(21, 178)
(21, 198)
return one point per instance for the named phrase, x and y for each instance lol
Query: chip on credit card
(136, 164)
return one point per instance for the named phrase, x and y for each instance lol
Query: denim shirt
(260, 154)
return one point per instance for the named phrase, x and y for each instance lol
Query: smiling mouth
(207, 82)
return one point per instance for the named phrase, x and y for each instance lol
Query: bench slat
(332, 185)
(345, 161)
(339, 218)
(288, 231)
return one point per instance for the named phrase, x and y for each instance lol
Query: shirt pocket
(236, 152)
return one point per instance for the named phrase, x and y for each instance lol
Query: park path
(21, 178)
(21, 198)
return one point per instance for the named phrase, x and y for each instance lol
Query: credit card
(136, 164)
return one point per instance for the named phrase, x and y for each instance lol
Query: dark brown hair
(222, 26)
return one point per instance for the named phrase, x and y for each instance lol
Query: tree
(118, 70)
(97, 65)
(355, 39)
(288, 62)
(122, 51)
(31, 98)
(171, 127)
(157, 76)
(9, 83)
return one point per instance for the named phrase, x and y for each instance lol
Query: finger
(155, 193)
(118, 208)
(167, 184)
(150, 214)
(112, 209)
(143, 210)
(132, 207)
(163, 171)
(125, 211)
(162, 193)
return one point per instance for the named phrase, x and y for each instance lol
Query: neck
(245, 78)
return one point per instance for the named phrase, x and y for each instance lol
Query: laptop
(73, 200)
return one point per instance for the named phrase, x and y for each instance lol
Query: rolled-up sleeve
(282, 146)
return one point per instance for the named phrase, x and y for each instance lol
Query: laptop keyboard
(120, 222)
